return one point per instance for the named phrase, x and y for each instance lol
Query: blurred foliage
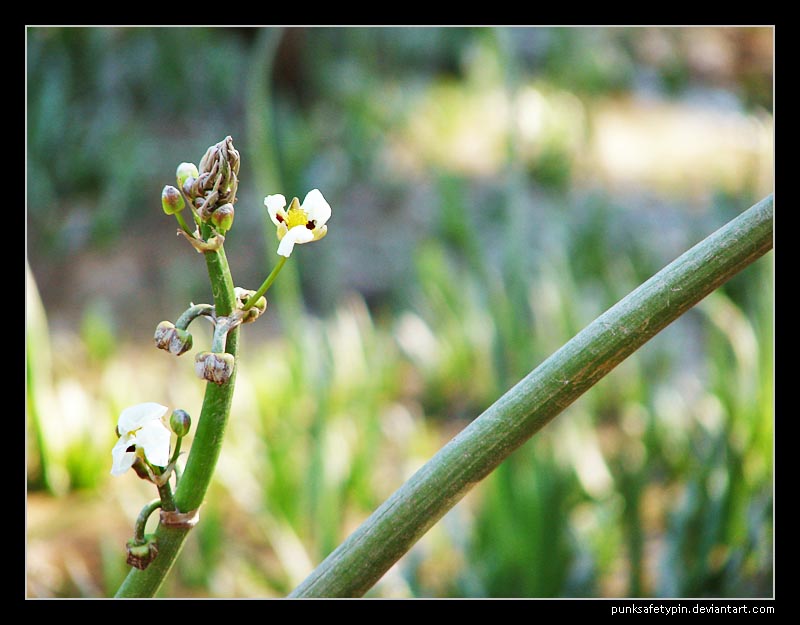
(489, 201)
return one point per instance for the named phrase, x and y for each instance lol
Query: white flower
(301, 223)
(140, 428)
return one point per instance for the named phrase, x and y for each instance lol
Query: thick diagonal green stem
(205, 447)
(478, 449)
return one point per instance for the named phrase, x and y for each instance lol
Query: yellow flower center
(296, 217)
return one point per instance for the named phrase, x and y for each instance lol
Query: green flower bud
(141, 555)
(184, 172)
(171, 200)
(222, 218)
(180, 422)
(214, 367)
(172, 339)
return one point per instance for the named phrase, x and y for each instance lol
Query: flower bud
(222, 218)
(184, 172)
(172, 339)
(217, 180)
(214, 367)
(180, 422)
(242, 296)
(172, 200)
(142, 554)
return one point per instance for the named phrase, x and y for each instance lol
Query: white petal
(154, 439)
(122, 460)
(316, 207)
(134, 417)
(319, 232)
(298, 234)
(275, 204)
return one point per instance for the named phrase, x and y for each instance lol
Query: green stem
(267, 283)
(141, 520)
(192, 208)
(205, 450)
(192, 313)
(167, 499)
(177, 451)
(182, 223)
(545, 392)
(220, 338)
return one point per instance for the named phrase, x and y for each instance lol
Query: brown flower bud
(216, 368)
(141, 555)
(172, 339)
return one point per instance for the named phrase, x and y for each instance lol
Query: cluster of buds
(212, 187)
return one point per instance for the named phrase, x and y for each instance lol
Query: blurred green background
(493, 191)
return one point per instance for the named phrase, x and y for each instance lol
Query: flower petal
(275, 205)
(122, 460)
(298, 234)
(134, 417)
(316, 207)
(154, 439)
(319, 232)
(282, 230)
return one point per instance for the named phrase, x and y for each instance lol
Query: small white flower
(302, 223)
(141, 430)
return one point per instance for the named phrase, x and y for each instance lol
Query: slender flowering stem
(205, 451)
(153, 560)
(267, 283)
(220, 335)
(165, 492)
(182, 223)
(177, 451)
(141, 520)
(192, 208)
(192, 313)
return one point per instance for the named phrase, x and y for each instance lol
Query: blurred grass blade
(402, 519)
(38, 378)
